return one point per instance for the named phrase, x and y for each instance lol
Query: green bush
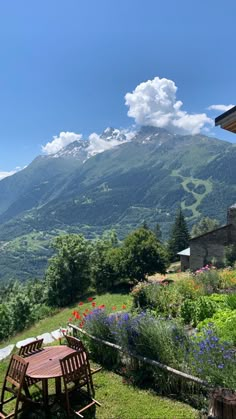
(230, 255)
(162, 299)
(224, 322)
(210, 279)
(231, 301)
(204, 307)
(189, 288)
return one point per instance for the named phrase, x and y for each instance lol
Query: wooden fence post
(223, 404)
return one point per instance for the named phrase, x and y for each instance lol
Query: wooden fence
(145, 359)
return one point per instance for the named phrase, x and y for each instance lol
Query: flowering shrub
(213, 360)
(163, 299)
(141, 296)
(189, 288)
(144, 334)
(227, 278)
(209, 278)
(205, 268)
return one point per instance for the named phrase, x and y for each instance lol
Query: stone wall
(209, 246)
(184, 262)
(231, 219)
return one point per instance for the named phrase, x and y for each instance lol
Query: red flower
(84, 314)
(81, 324)
(80, 303)
(94, 304)
(78, 316)
(74, 313)
(90, 299)
(124, 306)
(102, 306)
(113, 308)
(70, 319)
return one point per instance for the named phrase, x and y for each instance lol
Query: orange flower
(94, 304)
(124, 306)
(113, 308)
(86, 310)
(78, 316)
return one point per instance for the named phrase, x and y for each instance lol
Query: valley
(140, 180)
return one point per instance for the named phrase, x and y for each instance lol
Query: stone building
(212, 245)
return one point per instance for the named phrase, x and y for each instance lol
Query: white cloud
(221, 108)
(154, 103)
(10, 173)
(98, 144)
(60, 141)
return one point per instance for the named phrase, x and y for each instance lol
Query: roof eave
(227, 120)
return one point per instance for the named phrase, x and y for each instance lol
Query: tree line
(80, 265)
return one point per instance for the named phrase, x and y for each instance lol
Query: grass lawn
(119, 400)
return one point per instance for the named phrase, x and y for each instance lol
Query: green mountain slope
(144, 179)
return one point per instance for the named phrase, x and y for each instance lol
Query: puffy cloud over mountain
(154, 103)
(60, 141)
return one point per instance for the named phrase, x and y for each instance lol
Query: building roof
(210, 232)
(227, 120)
(185, 252)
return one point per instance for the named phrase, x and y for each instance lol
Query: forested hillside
(144, 179)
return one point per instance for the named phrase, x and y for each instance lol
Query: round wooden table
(45, 365)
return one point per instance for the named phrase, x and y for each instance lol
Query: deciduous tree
(143, 254)
(68, 274)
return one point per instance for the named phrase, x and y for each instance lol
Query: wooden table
(45, 365)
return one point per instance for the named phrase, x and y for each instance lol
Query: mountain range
(118, 182)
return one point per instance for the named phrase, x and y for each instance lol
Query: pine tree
(179, 236)
(157, 231)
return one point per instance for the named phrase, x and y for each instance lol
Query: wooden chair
(78, 345)
(27, 350)
(75, 371)
(14, 383)
(31, 348)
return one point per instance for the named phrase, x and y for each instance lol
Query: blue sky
(66, 66)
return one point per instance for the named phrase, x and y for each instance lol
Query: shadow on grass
(58, 410)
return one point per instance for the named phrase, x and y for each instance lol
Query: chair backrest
(16, 371)
(31, 348)
(75, 343)
(75, 368)
(15, 375)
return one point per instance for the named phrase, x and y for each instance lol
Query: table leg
(58, 386)
(45, 392)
